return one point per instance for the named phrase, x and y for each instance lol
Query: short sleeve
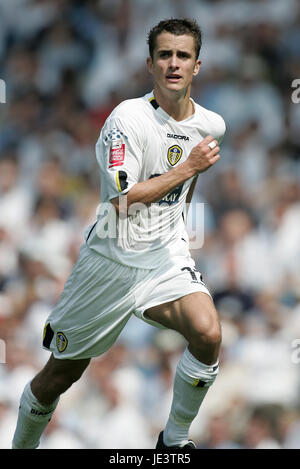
(119, 155)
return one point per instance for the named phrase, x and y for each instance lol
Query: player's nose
(173, 63)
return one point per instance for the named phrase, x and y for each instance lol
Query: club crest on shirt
(174, 154)
(61, 341)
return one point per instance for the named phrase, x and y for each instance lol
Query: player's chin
(174, 85)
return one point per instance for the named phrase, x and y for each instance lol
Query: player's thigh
(194, 316)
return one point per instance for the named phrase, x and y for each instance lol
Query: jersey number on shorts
(194, 273)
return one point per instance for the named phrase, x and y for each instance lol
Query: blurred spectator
(15, 199)
(262, 430)
(219, 434)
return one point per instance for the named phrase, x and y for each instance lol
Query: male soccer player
(136, 259)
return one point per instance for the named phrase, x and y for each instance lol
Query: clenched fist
(204, 156)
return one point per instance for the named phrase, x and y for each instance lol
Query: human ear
(197, 67)
(150, 65)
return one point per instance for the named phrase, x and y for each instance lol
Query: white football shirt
(139, 141)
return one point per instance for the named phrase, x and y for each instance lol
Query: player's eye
(183, 55)
(164, 54)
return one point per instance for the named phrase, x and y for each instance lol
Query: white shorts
(100, 295)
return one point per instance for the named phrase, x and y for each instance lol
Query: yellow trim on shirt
(118, 182)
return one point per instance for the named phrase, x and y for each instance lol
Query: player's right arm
(119, 153)
(200, 159)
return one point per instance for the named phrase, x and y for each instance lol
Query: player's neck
(178, 106)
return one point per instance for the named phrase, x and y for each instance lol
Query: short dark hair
(177, 27)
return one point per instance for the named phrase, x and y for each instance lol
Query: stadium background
(66, 64)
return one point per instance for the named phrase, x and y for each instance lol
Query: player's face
(174, 62)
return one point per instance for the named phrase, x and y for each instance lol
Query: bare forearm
(155, 189)
(200, 159)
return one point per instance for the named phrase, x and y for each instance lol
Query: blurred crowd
(66, 65)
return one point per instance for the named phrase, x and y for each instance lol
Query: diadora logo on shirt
(179, 137)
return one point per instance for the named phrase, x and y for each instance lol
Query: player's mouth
(173, 77)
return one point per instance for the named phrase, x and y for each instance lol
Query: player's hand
(203, 156)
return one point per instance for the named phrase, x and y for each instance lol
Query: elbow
(121, 205)
(116, 204)
(125, 205)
